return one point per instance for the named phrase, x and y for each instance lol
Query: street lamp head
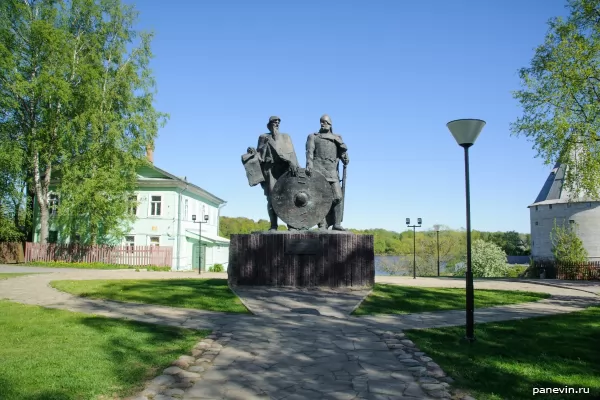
(407, 221)
(419, 220)
(205, 217)
(193, 217)
(465, 131)
(436, 227)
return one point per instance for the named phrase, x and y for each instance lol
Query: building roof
(206, 237)
(175, 180)
(554, 192)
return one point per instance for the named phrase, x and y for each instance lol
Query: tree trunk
(41, 192)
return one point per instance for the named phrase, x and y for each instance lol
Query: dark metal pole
(438, 249)
(414, 252)
(200, 247)
(470, 294)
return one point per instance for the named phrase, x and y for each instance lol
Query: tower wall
(585, 214)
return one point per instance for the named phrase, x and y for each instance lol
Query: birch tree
(79, 93)
(560, 97)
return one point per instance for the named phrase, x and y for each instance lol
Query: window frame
(151, 203)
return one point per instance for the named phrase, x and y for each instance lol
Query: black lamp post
(466, 131)
(414, 243)
(200, 238)
(437, 232)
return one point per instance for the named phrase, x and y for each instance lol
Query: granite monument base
(302, 259)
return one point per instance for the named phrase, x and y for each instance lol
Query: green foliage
(561, 97)
(516, 271)
(216, 268)
(158, 269)
(8, 231)
(488, 260)
(390, 243)
(566, 245)
(77, 96)
(513, 243)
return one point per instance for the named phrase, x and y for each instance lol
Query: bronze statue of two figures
(301, 197)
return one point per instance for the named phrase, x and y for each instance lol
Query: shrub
(216, 268)
(567, 247)
(515, 271)
(488, 260)
(155, 268)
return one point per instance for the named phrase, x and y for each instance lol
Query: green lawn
(509, 359)
(203, 294)
(6, 275)
(60, 355)
(393, 299)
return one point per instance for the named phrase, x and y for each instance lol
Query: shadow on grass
(60, 355)
(204, 294)
(510, 359)
(395, 299)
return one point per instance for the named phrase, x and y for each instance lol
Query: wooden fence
(551, 269)
(11, 253)
(123, 255)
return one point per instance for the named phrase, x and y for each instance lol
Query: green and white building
(166, 204)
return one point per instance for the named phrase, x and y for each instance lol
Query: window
(550, 206)
(53, 204)
(185, 212)
(154, 241)
(133, 200)
(536, 208)
(130, 242)
(52, 236)
(536, 223)
(155, 205)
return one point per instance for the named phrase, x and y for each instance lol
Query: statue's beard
(324, 130)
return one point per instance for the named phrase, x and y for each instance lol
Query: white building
(554, 203)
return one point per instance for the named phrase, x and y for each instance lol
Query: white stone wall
(585, 214)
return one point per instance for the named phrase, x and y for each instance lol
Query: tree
(566, 245)
(452, 250)
(488, 260)
(561, 97)
(77, 95)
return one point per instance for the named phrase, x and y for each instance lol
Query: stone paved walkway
(300, 344)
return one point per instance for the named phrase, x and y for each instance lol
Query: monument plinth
(302, 259)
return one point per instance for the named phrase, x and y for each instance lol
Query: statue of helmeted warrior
(276, 155)
(324, 150)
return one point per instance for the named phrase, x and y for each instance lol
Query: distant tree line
(452, 243)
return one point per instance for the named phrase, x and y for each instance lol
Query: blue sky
(390, 74)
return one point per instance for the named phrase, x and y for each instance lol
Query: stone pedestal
(307, 259)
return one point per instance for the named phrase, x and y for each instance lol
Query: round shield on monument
(302, 201)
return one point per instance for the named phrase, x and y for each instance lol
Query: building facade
(164, 214)
(555, 204)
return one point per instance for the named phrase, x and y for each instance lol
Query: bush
(488, 260)
(155, 268)
(216, 268)
(566, 245)
(515, 271)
